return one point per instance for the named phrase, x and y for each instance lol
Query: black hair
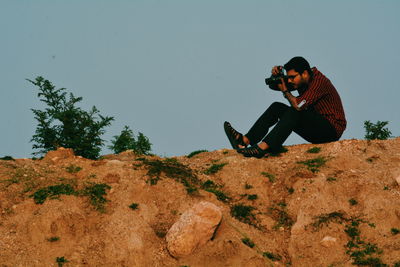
(299, 64)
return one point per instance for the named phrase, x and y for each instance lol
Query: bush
(62, 124)
(126, 140)
(376, 130)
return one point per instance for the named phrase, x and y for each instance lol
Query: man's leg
(310, 125)
(314, 128)
(270, 117)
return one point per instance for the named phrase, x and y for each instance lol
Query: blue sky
(176, 70)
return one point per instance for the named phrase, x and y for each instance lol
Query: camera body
(276, 79)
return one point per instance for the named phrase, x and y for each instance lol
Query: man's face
(297, 80)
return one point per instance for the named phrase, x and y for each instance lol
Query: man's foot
(253, 151)
(235, 138)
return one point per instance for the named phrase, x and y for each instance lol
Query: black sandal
(253, 151)
(235, 138)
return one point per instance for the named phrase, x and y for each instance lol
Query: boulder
(193, 229)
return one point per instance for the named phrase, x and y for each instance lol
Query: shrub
(126, 140)
(376, 130)
(62, 124)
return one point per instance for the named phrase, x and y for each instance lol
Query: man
(316, 115)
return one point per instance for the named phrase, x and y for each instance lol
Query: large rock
(193, 229)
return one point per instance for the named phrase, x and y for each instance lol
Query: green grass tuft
(73, 169)
(171, 168)
(272, 256)
(252, 197)
(194, 153)
(134, 206)
(52, 192)
(60, 261)
(314, 150)
(243, 213)
(211, 187)
(53, 239)
(96, 193)
(395, 231)
(270, 176)
(214, 168)
(353, 202)
(279, 214)
(247, 241)
(314, 164)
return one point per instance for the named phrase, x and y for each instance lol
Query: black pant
(310, 125)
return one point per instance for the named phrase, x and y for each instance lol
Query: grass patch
(52, 192)
(248, 242)
(214, 168)
(279, 214)
(395, 231)
(60, 261)
(270, 176)
(248, 186)
(272, 256)
(134, 206)
(314, 164)
(325, 219)
(331, 179)
(314, 150)
(171, 168)
(194, 153)
(353, 202)
(73, 169)
(53, 239)
(211, 187)
(96, 193)
(243, 213)
(252, 197)
(361, 252)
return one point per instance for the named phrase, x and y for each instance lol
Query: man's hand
(282, 86)
(276, 70)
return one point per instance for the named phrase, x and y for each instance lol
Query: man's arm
(286, 93)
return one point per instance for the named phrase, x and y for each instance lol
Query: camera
(276, 79)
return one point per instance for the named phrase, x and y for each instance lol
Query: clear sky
(176, 70)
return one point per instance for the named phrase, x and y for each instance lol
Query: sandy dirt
(300, 215)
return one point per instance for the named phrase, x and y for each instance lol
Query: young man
(316, 115)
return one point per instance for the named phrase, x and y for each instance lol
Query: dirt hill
(338, 206)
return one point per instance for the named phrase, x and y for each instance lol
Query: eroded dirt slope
(346, 210)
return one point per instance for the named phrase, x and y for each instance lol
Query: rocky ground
(338, 206)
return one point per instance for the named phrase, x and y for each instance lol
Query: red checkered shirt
(323, 97)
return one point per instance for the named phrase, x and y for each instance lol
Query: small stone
(328, 241)
(193, 229)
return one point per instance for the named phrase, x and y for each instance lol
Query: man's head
(298, 71)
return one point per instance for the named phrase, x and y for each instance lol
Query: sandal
(235, 138)
(253, 151)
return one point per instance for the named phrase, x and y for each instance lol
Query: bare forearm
(286, 93)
